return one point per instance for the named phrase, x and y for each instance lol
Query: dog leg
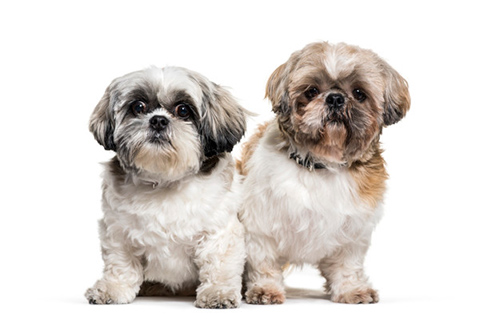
(122, 276)
(345, 278)
(221, 258)
(264, 277)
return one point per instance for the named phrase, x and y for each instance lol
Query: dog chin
(324, 139)
(162, 158)
(330, 153)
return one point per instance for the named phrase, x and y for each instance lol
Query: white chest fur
(165, 225)
(307, 213)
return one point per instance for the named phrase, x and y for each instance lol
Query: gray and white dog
(170, 195)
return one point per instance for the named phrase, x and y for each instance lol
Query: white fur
(171, 194)
(299, 216)
(174, 234)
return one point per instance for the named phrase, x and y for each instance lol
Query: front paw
(264, 295)
(357, 296)
(98, 296)
(218, 299)
(109, 293)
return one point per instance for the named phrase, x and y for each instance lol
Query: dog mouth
(335, 119)
(158, 138)
(340, 115)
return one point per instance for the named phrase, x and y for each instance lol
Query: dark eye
(359, 95)
(138, 107)
(311, 93)
(182, 110)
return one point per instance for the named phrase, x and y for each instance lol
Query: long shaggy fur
(170, 195)
(315, 176)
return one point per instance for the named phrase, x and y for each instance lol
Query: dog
(314, 176)
(171, 192)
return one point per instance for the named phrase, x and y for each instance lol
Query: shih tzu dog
(314, 177)
(170, 195)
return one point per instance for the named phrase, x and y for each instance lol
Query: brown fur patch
(370, 175)
(359, 296)
(249, 148)
(332, 145)
(264, 295)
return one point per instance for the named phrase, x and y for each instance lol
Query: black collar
(306, 162)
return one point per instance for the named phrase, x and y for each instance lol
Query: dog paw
(264, 295)
(106, 293)
(357, 296)
(98, 296)
(216, 299)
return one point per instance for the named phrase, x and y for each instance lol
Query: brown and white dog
(314, 175)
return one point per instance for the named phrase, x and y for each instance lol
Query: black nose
(335, 100)
(158, 122)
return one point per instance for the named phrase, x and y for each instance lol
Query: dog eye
(138, 107)
(359, 95)
(311, 93)
(182, 110)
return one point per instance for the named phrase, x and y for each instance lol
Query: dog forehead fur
(159, 82)
(334, 64)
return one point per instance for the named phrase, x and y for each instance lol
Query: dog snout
(158, 122)
(335, 100)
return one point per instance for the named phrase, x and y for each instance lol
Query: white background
(435, 255)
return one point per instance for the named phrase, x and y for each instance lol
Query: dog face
(334, 100)
(166, 121)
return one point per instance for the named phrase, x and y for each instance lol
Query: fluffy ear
(276, 89)
(397, 97)
(102, 122)
(223, 120)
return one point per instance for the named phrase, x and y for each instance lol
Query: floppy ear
(102, 122)
(397, 97)
(276, 89)
(223, 120)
